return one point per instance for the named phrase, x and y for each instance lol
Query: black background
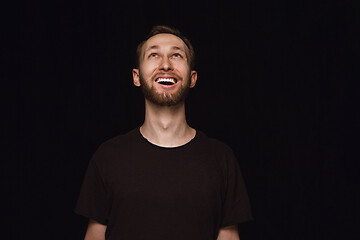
(277, 81)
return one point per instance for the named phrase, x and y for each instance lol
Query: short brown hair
(171, 30)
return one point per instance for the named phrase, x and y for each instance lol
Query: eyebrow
(177, 48)
(157, 47)
(152, 47)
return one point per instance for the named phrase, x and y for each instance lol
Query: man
(164, 180)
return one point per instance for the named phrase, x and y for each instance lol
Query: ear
(193, 78)
(136, 77)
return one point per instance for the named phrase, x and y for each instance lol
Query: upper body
(164, 180)
(140, 190)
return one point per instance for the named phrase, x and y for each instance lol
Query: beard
(164, 98)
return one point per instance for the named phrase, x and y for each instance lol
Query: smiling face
(164, 72)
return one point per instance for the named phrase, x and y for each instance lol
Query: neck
(166, 126)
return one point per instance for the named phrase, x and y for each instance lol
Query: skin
(95, 231)
(164, 55)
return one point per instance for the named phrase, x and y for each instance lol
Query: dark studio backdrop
(276, 81)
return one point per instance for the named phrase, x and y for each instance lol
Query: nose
(165, 64)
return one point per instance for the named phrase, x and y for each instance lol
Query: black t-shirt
(143, 191)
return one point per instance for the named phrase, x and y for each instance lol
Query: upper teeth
(166, 80)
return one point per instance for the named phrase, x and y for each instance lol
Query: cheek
(148, 69)
(181, 66)
(184, 70)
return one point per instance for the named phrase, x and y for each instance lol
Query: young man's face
(164, 73)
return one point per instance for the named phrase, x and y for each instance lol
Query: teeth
(165, 80)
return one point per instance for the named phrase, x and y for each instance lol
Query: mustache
(173, 75)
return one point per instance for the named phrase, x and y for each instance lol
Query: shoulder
(218, 152)
(115, 147)
(122, 140)
(213, 145)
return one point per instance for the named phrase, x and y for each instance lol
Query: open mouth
(166, 81)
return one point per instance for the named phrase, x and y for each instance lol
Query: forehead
(164, 40)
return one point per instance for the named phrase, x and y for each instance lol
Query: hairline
(142, 51)
(189, 51)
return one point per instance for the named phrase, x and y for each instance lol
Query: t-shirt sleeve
(92, 201)
(236, 206)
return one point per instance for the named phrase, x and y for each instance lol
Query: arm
(95, 231)
(229, 233)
